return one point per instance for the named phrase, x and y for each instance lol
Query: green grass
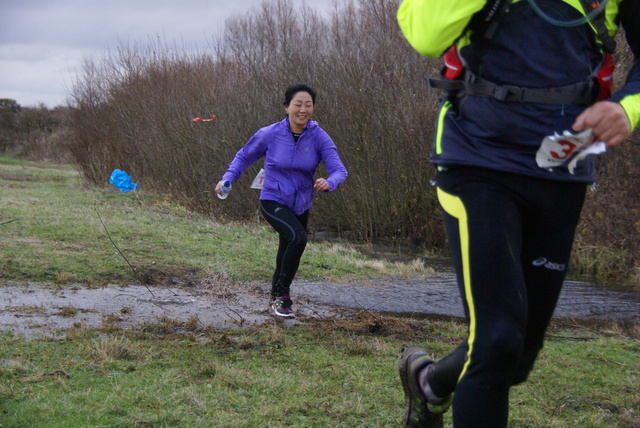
(316, 375)
(55, 228)
(323, 373)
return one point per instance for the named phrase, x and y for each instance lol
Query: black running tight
(511, 238)
(293, 240)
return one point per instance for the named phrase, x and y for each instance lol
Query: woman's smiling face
(299, 110)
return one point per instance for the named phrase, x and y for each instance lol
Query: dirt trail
(36, 309)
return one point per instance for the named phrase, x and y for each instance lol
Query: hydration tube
(572, 23)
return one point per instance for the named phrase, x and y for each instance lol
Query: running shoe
(282, 306)
(418, 412)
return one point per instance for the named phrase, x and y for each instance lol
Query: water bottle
(225, 187)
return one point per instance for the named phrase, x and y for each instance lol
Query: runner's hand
(608, 120)
(217, 190)
(321, 185)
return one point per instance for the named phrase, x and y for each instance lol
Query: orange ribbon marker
(198, 119)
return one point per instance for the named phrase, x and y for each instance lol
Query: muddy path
(36, 309)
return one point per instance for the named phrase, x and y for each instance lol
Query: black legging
(293, 240)
(510, 238)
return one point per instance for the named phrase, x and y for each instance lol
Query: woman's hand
(218, 191)
(321, 185)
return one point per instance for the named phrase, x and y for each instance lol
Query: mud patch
(34, 309)
(41, 310)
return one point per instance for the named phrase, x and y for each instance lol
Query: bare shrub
(611, 217)
(133, 110)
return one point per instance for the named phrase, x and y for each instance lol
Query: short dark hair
(294, 89)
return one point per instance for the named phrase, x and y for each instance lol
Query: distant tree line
(34, 133)
(132, 109)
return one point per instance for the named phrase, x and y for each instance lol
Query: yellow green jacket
(526, 51)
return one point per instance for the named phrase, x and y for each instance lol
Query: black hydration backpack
(461, 81)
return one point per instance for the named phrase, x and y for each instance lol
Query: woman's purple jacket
(289, 166)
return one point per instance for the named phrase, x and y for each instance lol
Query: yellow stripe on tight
(443, 111)
(455, 208)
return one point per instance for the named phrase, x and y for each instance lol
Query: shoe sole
(405, 377)
(281, 315)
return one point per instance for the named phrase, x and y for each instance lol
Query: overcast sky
(43, 42)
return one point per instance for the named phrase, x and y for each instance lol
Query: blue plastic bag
(122, 181)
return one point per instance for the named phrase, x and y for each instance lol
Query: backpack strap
(598, 21)
(464, 82)
(486, 20)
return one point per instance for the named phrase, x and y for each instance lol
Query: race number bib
(568, 149)
(259, 180)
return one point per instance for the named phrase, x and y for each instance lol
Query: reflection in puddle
(438, 295)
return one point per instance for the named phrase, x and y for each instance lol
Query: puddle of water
(438, 295)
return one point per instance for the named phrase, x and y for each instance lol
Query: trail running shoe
(418, 412)
(282, 306)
